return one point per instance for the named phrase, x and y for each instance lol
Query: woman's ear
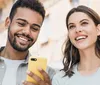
(98, 29)
(7, 22)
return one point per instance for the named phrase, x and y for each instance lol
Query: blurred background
(53, 32)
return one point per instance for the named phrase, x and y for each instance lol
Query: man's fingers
(45, 75)
(34, 76)
(46, 80)
(27, 83)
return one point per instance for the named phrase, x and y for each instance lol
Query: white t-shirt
(77, 78)
(11, 71)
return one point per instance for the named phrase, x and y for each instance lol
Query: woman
(82, 50)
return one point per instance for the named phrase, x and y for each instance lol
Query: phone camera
(33, 59)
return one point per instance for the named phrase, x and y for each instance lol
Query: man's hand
(46, 80)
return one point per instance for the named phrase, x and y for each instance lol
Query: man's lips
(24, 37)
(22, 40)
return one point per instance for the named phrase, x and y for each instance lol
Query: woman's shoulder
(60, 75)
(59, 78)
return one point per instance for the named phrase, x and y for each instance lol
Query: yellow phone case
(33, 64)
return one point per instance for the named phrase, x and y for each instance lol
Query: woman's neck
(89, 62)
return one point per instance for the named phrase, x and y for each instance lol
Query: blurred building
(5, 7)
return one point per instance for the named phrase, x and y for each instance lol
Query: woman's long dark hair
(71, 53)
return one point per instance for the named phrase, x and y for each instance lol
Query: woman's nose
(78, 29)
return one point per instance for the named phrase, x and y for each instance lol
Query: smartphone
(33, 64)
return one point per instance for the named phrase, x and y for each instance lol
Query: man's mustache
(23, 34)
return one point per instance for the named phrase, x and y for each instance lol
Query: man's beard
(16, 46)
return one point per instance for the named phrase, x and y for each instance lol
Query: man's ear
(98, 29)
(7, 22)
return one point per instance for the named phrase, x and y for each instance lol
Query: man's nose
(27, 30)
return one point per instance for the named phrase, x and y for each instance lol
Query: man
(24, 24)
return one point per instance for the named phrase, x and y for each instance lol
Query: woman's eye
(71, 27)
(84, 23)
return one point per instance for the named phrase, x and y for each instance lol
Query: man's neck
(13, 54)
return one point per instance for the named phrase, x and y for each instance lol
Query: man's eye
(35, 29)
(21, 24)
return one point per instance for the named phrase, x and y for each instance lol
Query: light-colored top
(21, 70)
(77, 78)
(11, 70)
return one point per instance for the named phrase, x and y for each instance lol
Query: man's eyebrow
(36, 25)
(22, 20)
(27, 22)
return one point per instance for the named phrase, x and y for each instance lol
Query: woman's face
(82, 30)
